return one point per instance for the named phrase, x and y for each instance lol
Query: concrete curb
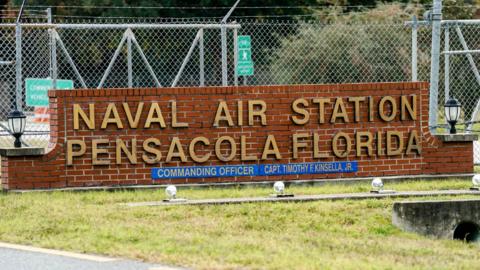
(310, 198)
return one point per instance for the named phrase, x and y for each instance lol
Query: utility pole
(436, 17)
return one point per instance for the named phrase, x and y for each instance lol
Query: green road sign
(244, 42)
(245, 70)
(244, 56)
(37, 90)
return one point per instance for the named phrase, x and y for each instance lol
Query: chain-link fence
(459, 75)
(189, 53)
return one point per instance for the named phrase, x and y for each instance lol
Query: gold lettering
(175, 122)
(107, 117)
(240, 112)
(149, 149)
(370, 109)
(243, 150)
(260, 113)
(299, 144)
(316, 148)
(321, 108)
(348, 144)
(410, 107)
(71, 153)
(218, 148)
(356, 104)
(271, 148)
(155, 109)
(367, 144)
(390, 148)
(122, 147)
(175, 151)
(413, 143)
(89, 121)
(97, 151)
(133, 122)
(303, 112)
(381, 108)
(379, 143)
(339, 111)
(222, 115)
(193, 154)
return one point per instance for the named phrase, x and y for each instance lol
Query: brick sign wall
(198, 135)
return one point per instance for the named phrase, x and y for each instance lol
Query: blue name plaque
(308, 168)
(254, 170)
(204, 171)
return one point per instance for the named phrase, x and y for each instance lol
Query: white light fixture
(16, 124)
(476, 182)
(452, 113)
(171, 192)
(279, 188)
(377, 186)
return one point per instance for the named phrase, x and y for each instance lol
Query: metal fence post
(447, 63)
(202, 58)
(129, 61)
(18, 66)
(53, 51)
(223, 33)
(414, 49)
(435, 64)
(49, 21)
(235, 55)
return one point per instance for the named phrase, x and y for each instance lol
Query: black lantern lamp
(16, 124)
(452, 113)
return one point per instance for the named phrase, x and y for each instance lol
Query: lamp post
(16, 124)
(452, 113)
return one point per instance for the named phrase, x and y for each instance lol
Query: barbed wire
(216, 7)
(197, 17)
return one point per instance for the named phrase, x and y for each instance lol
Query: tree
(350, 50)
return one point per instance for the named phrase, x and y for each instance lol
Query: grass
(316, 235)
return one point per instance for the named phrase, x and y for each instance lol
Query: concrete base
(281, 195)
(439, 219)
(310, 198)
(383, 191)
(22, 151)
(179, 200)
(459, 137)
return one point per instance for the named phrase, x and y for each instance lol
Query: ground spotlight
(377, 186)
(279, 188)
(171, 192)
(476, 182)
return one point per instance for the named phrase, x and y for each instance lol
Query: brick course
(197, 107)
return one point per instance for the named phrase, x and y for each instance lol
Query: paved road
(13, 259)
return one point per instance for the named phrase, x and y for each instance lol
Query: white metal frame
(129, 38)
